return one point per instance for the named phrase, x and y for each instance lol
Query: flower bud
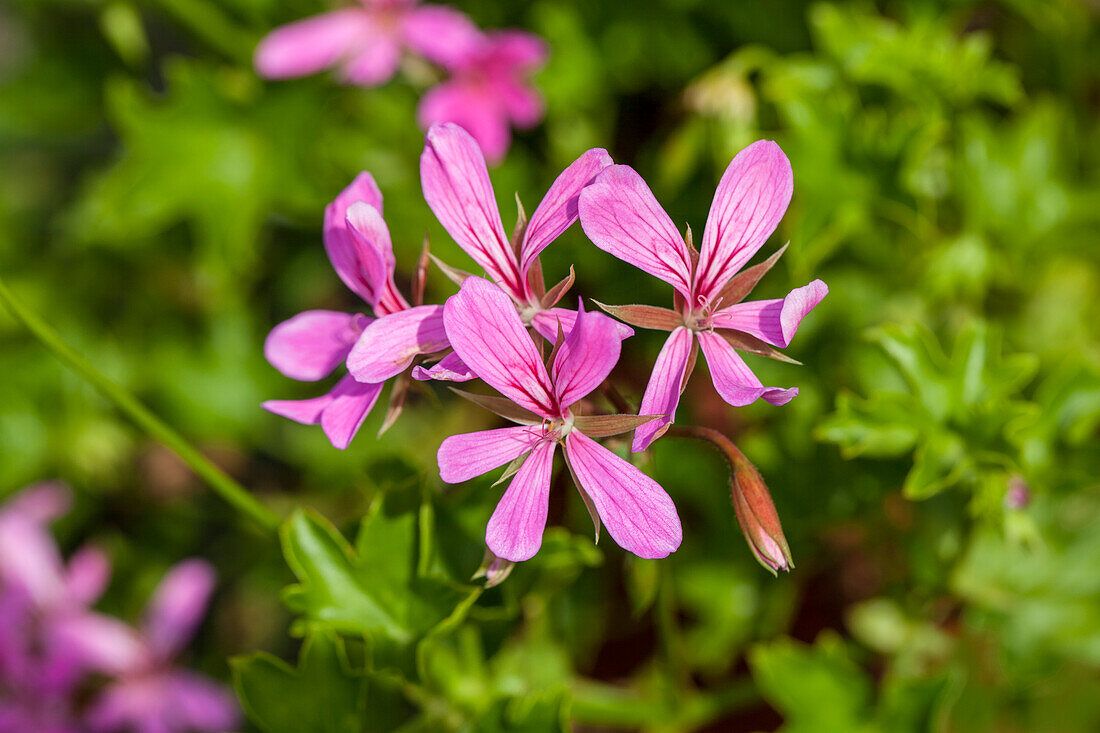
(494, 569)
(758, 519)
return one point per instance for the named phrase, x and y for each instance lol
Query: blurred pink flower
(621, 216)
(488, 335)
(148, 694)
(309, 346)
(458, 190)
(366, 41)
(488, 92)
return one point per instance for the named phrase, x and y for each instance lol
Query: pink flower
(458, 190)
(149, 695)
(621, 216)
(488, 92)
(366, 41)
(312, 344)
(487, 333)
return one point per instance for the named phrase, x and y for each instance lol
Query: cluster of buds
(511, 332)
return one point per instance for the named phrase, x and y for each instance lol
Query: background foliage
(161, 206)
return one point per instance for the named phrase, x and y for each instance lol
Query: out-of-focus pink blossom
(148, 694)
(489, 336)
(366, 41)
(488, 92)
(456, 186)
(621, 216)
(312, 344)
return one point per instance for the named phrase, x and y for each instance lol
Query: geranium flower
(621, 216)
(488, 92)
(458, 190)
(312, 344)
(366, 41)
(488, 335)
(148, 694)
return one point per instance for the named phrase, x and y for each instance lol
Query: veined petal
(637, 512)
(462, 457)
(308, 346)
(306, 412)
(750, 200)
(441, 34)
(488, 335)
(732, 377)
(558, 209)
(545, 322)
(311, 45)
(450, 368)
(458, 191)
(177, 606)
(388, 345)
(662, 394)
(515, 530)
(371, 238)
(620, 215)
(351, 402)
(342, 250)
(772, 321)
(589, 353)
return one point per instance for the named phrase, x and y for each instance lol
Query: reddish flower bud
(494, 569)
(758, 519)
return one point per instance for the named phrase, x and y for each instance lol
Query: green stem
(219, 481)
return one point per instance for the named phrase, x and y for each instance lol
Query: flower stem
(218, 480)
(729, 451)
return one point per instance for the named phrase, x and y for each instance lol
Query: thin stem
(219, 481)
(725, 446)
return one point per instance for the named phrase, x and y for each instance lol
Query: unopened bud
(494, 569)
(758, 519)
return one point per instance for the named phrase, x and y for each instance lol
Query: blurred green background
(161, 206)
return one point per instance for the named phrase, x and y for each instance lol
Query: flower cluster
(65, 668)
(485, 89)
(498, 328)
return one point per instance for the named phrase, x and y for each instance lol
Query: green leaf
(322, 695)
(373, 589)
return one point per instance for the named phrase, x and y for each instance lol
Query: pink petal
(457, 188)
(750, 200)
(361, 278)
(558, 209)
(87, 575)
(441, 34)
(450, 368)
(515, 530)
(310, 45)
(515, 51)
(200, 704)
(340, 413)
(488, 335)
(472, 107)
(462, 457)
(732, 377)
(638, 513)
(30, 560)
(99, 642)
(545, 322)
(177, 606)
(620, 215)
(522, 102)
(310, 345)
(351, 403)
(589, 353)
(662, 394)
(388, 345)
(370, 236)
(375, 60)
(40, 503)
(773, 321)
